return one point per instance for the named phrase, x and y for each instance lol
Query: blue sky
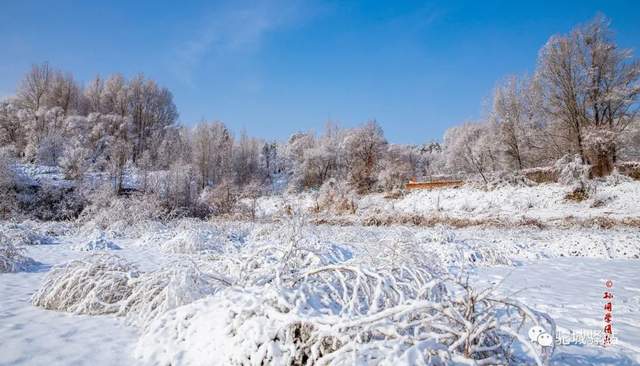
(278, 66)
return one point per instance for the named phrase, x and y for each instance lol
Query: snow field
(220, 292)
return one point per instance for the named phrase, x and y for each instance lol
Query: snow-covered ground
(545, 202)
(33, 336)
(571, 291)
(558, 271)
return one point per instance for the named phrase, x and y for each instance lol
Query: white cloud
(236, 27)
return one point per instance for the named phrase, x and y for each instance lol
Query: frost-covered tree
(590, 85)
(212, 149)
(203, 153)
(113, 96)
(246, 153)
(50, 149)
(12, 125)
(181, 190)
(269, 158)
(400, 164)
(8, 201)
(74, 161)
(363, 148)
(152, 110)
(296, 146)
(471, 148)
(64, 93)
(32, 93)
(516, 118)
(93, 95)
(431, 161)
(120, 152)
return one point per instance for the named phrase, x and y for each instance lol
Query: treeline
(581, 100)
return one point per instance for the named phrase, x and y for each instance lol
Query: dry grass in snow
(97, 284)
(103, 283)
(155, 293)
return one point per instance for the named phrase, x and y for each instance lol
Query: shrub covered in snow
(336, 196)
(103, 283)
(155, 293)
(369, 318)
(120, 215)
(24, 234)
(12, 258)
(8, 201)
(571, 170)
(99, 242)
(97, 284)
(191, 241)
(293, 298)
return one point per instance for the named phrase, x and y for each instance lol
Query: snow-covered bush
(509, 179)
(221, 199)
(192, 241)
(97, 284)
(8, 201)
(336, 196)
(155, 293)
(12, 258)
(192, 236)
(115, 215)
(437, 249)
(571, 171)
(51, 201)
(99, 242)
(616, 178)
(600, 146)
(24, 234)
(369, 318)
(74, 162)
(50, 149)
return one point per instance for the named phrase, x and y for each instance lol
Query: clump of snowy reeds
(291, 304)
(352, 290)
(103, 283)
(157, 292)
(191, 241)
(47, 231)
(12, 258)
(97, 284)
